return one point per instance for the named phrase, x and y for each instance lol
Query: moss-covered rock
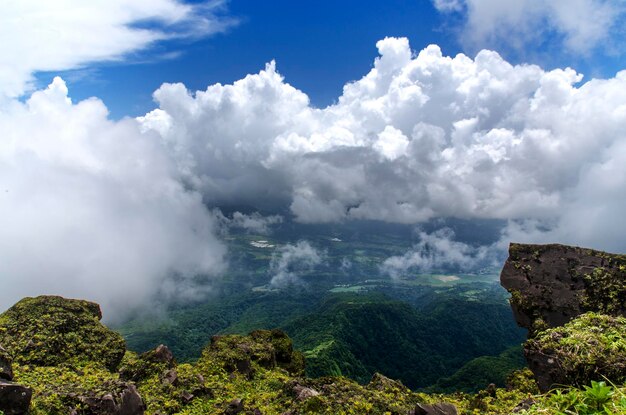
(522, 381)
(138, 367)
(51, 330)
(90, 390)
(590, 347)
(263, 348)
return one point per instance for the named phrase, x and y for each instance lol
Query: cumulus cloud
(94, 209)
(420, 136)
(52, 36)
(290, 261)
(440, 252)
(583, 25)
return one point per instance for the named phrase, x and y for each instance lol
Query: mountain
(260, 373)
(358, 335)
(414, 334)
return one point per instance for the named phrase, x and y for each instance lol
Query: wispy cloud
(290, 261)
(580, 26)
(251, 223)
(56, 36)
(440, 252)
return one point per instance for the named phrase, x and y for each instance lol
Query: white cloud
(391, 143)
(418, 137)
(59, 35)
(251, 223)
(439, 252)
(94, 209)
(448, 5)
(290, 261)
(583, 25)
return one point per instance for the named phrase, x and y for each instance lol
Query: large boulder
(51, 330)
(552, 284)
(572, 300)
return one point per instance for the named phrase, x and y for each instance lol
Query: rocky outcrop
(552, 284)
(384, 384)
(157, 361)
(570, 299)
(125, 402)
(54, 337)
(268, 349)
(51, 330)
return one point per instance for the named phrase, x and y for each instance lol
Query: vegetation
(483, 371)
(262, 373)
(591, 347)
(435, 340)
(596, 399)
(413, 333)
(356, 335)
(606, 289)
(49, 331)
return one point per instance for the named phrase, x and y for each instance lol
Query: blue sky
(319, 46)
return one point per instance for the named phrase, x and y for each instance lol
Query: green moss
(264, 348)
(605, 290)
(56, 389)
(273, 383)
(597, 399)
(522, 381)
(590, 347)
(50, 330)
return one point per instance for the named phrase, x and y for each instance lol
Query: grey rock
(549, 283)
(234, 407)
(14, 398)
(6, 371)
(436, 409)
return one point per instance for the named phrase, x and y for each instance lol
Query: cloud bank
(94, 209)
(90, 207)
(418, 137)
